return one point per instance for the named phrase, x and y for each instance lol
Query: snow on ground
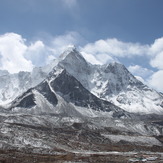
(134, 139)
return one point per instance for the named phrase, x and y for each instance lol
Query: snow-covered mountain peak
(114, 65)
(71, 49)
(120, 71)
(76, 65)
(111, 82)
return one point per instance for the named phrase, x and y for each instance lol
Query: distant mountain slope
(12, 85)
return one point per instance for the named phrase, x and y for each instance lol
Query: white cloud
(157, 46)
(16, 55)
(33, 51)
(156, 80)
(111, 50)
(140, 71)
(157, 61)
(59, 43)
(156, 52)
(119, 49)
(114, 47)
(49, 59)
(12, 49)
(38, 53)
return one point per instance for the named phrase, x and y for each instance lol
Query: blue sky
(128, 20)
(126, 31)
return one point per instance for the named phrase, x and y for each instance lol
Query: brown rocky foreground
(75, 144)
(84, 157)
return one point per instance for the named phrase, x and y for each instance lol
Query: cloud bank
(12, 50)
(138, 70)
(16, 55)
(156, 80)
(114, 47)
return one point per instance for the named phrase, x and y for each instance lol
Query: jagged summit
(76, 65)
(68, 50)
(73, 61)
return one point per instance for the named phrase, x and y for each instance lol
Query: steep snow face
(76, 65)
(114, 83)
(117, 85)
(111, 79)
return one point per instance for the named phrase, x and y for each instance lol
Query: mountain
(13, 85)
(67, 114)
(111, 82)
(62, 90)
(60, 115)
(61, 94)
(114, 83)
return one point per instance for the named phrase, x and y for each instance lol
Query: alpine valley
(72, 111)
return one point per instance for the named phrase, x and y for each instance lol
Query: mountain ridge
(114, 83)
(111, 82)
(62, 114)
